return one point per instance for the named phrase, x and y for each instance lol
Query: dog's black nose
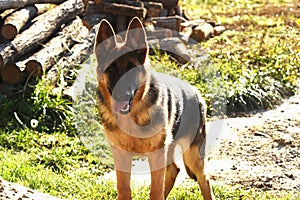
(122, 96)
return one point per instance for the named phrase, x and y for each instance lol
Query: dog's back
(184, 103)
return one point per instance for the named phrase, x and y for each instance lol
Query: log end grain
(202, 32)
(218, 30)
(9, 31)
(33, 68)
(11, 74)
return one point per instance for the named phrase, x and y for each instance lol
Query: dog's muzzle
(122, 107)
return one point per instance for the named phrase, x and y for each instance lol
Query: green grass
(257, 59)
(253, 65)
(80, 183)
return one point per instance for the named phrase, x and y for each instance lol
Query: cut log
(174, 46)
(115, 9)
(202, 32)
(16, 20)
(41, 30)
(160, 33)
(192, 23)
(11, 74)
(218, 30)
(6, 4)
(168, 4)
(134, 3)
(54, 49)
(172, 23)
(33, 68)
(92, 20)
(78, 54)
(5, 13)
(153, 8)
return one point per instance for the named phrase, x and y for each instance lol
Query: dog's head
(122, 68)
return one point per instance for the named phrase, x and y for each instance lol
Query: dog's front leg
(123, 161)
(157, 165)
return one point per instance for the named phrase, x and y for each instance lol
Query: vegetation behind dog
(257, 62)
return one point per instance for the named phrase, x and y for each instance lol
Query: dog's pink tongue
(120, 105)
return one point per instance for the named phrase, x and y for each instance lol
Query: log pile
(166, 23)
(36, 37)
(53, 37)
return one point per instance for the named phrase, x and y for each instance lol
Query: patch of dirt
(12, 191)
(263, 151)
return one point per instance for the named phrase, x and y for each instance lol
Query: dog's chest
(139, 145)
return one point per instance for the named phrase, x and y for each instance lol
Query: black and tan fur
(149, 113)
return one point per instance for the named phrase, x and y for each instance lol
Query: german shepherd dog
(147, 113)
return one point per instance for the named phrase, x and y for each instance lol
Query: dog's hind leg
(171, 172)
(195, 166)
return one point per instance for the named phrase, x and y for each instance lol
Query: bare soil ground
(262, 151)
(12, 191)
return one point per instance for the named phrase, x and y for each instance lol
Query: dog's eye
(130, 65)
(111, 69)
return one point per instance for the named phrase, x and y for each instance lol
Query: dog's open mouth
(122, 107)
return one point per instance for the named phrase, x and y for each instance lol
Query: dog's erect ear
(136, 39)
(136, 35)
(107, 34)
(105, 42)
